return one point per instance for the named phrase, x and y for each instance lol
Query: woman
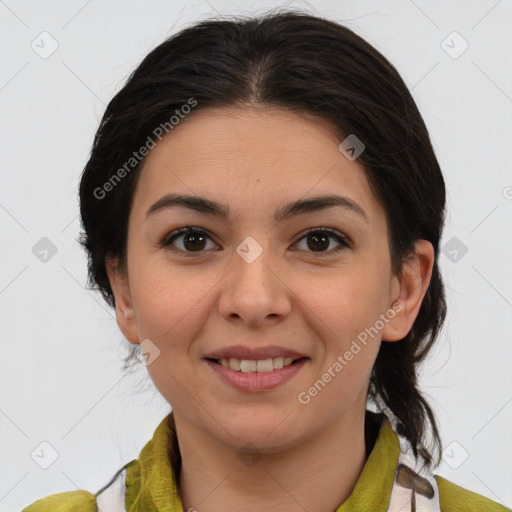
(263, 208)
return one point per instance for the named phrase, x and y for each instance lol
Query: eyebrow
(221, 211)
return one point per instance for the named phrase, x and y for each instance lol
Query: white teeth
(234, 363)
(260, 365)
(264, 365)
(247, 366)
(278, 363)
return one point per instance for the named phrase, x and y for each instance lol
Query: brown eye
(318, 240)
(186, 240)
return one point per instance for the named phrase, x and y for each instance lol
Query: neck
(316, 475)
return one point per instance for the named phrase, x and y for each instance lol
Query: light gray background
(61, 381)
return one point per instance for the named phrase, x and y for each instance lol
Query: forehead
(270, 156)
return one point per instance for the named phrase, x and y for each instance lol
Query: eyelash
(171, 237)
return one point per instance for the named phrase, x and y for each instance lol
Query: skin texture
(315, 301)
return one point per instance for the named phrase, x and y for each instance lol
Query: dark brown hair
(309, 64)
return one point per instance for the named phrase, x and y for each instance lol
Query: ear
(408, 290)
(125, 314)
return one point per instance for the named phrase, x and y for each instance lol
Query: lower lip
(257, 381)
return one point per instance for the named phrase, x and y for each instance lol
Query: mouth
(257, 365)
(256, 375)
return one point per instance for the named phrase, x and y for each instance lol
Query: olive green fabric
(151, 487)
(454, 499)
(150, 483)
(76, 501)
(373, 488)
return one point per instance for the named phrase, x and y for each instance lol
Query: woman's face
(253, 279)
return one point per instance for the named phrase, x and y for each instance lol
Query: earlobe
(412, 286)
(125, 314)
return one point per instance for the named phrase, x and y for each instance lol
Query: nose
(255, 291)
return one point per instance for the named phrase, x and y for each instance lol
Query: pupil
(324, 240)
(195, 239)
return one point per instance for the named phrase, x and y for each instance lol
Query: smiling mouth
(257, 365)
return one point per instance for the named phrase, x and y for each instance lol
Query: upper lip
(244, 352)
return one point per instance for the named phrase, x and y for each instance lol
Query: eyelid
(344, 242)
(171, 236)
(327, 230)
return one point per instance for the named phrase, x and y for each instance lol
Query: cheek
(169, 313)
(344, 314)
(344, 304)
(172, 306)
(163, 300)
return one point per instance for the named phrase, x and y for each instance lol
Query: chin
(268, 431)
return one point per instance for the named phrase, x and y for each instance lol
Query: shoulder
(454, 498)
(109, 497)
(74, 501)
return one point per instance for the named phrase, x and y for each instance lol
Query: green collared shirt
(148, 484)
